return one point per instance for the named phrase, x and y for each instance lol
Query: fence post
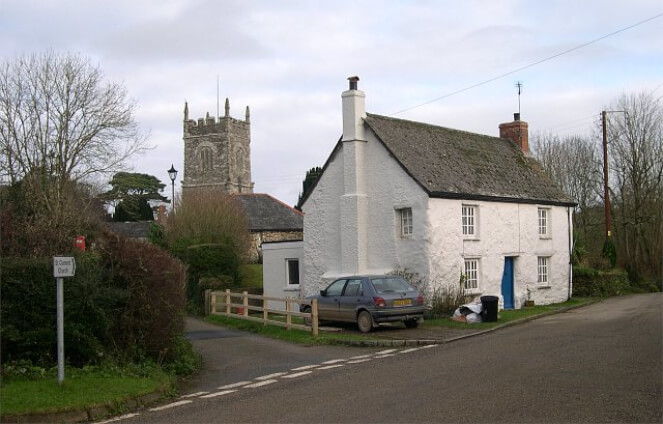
(245, 302)
(265, 314)
(314, 316)
(228, 301)
(213, 302)
(207, 301)
(288, 317)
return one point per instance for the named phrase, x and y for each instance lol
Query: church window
(206, 158)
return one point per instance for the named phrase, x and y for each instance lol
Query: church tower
(217, 154)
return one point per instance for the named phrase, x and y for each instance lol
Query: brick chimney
(516, 131)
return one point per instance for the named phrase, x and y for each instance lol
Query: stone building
(217, 153)
(217, 157)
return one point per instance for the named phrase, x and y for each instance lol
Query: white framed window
(544, 222)
(292, 272)
(471, 273)
(542, 270)
(469, 218)
(405, 215)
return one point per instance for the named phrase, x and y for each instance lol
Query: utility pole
(606, 189)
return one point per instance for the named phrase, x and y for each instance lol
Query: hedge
(594, 283)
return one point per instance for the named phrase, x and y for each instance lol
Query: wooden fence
(221, 303)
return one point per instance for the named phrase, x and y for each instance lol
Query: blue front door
(507, 283)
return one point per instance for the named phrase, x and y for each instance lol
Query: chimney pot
(353, 82)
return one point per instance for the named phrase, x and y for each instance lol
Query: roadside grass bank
(30, 390)
(504, 316)
(305, 337)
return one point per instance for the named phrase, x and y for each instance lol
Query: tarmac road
(600, 363)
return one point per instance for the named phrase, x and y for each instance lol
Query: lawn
(80, 389)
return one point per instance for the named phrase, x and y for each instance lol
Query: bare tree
(60, 123)
(636, 163)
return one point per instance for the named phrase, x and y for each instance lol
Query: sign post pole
(63, 266)
(60, 313)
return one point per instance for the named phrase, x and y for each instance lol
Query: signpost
(63, 266)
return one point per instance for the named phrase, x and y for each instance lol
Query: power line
(530, 65)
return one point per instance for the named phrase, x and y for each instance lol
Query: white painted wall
(275, 273)
(505, 230)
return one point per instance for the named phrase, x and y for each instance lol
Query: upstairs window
(469, 221)
(406, 221)
(544, 222)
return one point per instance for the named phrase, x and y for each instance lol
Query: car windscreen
(391, 285)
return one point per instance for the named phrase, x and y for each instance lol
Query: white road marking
(361, 356)
(224, 392)
(384, 356)
(270, 376)
(359, 361)
(414, 349)
(299, 374)
(170, 405)
(193, 395)
(305, 367)
(334, 361)
(232, 386)
(121, 417)
(328, 367)
(428, 346)
(384, 352)
(260, 384)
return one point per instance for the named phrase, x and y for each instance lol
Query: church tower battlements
(217, 153)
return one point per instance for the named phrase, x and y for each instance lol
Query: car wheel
(364, 322)
(411, 323)
(308, 320)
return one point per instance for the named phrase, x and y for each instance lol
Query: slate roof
(265, 213)
(449, 163)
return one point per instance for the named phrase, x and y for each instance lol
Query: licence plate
(402, 302)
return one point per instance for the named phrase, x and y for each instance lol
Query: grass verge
(505, 316)
(81, 389)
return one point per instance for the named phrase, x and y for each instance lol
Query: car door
(328, 303)
(351, 298)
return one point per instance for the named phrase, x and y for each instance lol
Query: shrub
(125, 302)
(595, 283)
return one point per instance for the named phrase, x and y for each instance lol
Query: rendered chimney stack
(354, 111)
(516, 131)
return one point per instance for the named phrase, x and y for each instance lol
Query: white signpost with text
(63, 266)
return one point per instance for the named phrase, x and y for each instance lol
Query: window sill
(291, 288)
(545, 237)
(471, 239)
(544, 286)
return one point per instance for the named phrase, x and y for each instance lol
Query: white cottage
(439, 202)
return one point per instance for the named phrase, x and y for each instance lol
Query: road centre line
(305, 367)
(260, 384)
(428, 346)
(384, 352)
(270, 376)
(333, 361)
(414, 349)
(384, 356)
(224, 392)
(361, 356)
(233, 385)
(190, 395)
(299, 374)
(170, 405)
(331, 366)
(359, 361)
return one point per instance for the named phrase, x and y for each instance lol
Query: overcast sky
(289, 61)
